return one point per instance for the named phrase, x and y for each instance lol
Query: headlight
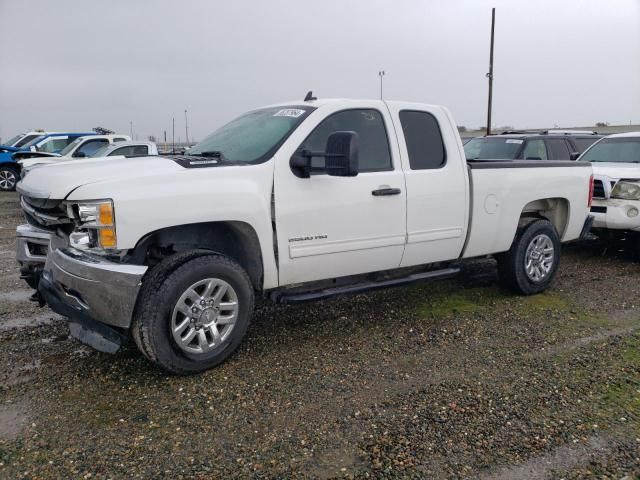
(95, 224)
(626, 191)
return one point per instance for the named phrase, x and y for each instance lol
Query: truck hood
(616, 170)
(59, 179)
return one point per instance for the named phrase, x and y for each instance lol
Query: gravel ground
(441, 380)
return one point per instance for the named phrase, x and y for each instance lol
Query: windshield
(66, 150)
(492, 148)
(254, 136)
(621, 149)
(13, 140)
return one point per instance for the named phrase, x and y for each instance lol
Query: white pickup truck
(294, 202)
(616, 196)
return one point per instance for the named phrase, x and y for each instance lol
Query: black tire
(9, 176)
(161, 290)
(511, 264)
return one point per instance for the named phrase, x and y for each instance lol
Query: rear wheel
(531, 264)
(8, 178)
(192, 315)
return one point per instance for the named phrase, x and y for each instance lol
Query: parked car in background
(295, 202)
(548, 145)
(616, 191)
(48, 142)
(128, 149)
(115, 148)
(81, 147)
(23, 138)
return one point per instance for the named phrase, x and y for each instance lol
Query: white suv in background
(616, 169)
(81, 147)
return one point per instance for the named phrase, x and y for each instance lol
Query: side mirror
(33, 148)
(341, 154)
(574, 155)
(341, 157)
(80, 155)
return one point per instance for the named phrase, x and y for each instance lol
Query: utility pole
(186, 126)
(173, 134)
(490, 74)
(381, 74)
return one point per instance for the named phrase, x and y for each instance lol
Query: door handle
(386, 191)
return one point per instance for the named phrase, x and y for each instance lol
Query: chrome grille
(43, 212)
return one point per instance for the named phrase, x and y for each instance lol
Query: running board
(301, 297)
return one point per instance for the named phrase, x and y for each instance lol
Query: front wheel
(8, 178)
(193, 312)
(531, 264)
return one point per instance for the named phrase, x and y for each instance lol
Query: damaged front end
(47, 226)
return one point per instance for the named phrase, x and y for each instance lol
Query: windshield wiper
(216, 155)
(208, 154)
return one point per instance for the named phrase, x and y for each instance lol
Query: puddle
(21, 374)
(25, 322)
(16, 296)
(562, 458)
(13, 418)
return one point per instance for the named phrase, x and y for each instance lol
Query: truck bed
(502, 189)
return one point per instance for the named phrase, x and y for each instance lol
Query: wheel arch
(556, 210)
(234, 239)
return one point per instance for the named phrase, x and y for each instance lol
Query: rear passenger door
(559, 148)
(436, 179)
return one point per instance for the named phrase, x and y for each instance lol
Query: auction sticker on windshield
(289, 112)
(514, 140)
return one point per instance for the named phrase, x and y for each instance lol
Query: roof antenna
(310, 96)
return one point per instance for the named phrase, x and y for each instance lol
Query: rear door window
(558, 148)
(53, 144)
(535, 150)
(424, 140)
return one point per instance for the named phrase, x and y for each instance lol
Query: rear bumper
(89, 287)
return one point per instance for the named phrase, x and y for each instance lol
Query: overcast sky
(76, 64)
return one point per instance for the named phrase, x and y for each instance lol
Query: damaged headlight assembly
(95, 225)
(626, 190)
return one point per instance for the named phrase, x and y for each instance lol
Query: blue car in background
(47, 142)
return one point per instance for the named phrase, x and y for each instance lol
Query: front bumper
(90, 290)
(32, 244)
(616, 214)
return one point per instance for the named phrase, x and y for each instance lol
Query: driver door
(329, 227)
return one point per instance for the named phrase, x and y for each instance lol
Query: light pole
(173, 134)
(490, 74)
(186, 126)
(131, 129)
(381, 74)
